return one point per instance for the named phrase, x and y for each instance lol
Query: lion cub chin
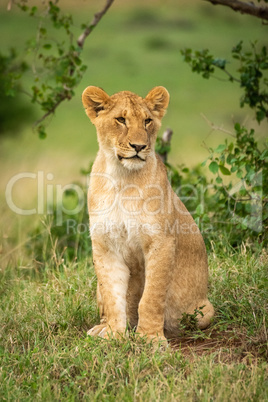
(148, 253)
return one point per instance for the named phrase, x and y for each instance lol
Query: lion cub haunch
(148, 253)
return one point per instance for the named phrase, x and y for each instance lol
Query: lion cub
(149, 256)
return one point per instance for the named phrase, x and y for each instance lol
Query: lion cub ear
(157, 100)
(94, 100)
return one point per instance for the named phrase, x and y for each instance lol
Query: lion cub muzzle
(139, 155)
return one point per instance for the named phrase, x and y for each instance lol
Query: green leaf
(33, 11)
(213, 167)
(221, 148)
(43, 31)
(264, 155)
(185, 170)
(218, 180)
(230, 159)
(197, 220)
(231, 147)
(260, 115)
(77, 61)
(47, 46)
(224, 170)
(204, 162)
(41, 132)
(237, 127)
(199, 209)
(206, 218)
(238, 47)
(239, 173)
(10, 92)
(219, 63)
(234, 169)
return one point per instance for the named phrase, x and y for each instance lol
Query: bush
(235, 201)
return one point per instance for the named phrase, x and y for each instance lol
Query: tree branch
(243, 7)
(94, 22)
(50, 111)
(217, 128)
(80, 42)
(9, 6)
(166, 139)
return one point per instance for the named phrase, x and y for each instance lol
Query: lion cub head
(126, 123)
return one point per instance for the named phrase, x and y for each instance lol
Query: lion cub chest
(116, 215)
(120, 233)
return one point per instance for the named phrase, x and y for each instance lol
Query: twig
(50, 111)
(217, 128)
(9, 5)
(243, 7)
(94, 22)
(167, 134)
(166, 139)
(231, 76)
(230, 195)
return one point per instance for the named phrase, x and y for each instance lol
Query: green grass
(45, 353)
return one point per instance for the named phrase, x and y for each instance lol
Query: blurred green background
(135, 47)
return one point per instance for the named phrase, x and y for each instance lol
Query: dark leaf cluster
(11, 70)
(55, 59)
(252, 73)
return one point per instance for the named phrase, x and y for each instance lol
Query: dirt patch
(228, 346)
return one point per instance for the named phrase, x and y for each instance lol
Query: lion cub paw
(98, 330)
(104, 331)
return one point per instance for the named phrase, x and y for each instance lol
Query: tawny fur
(149, 255)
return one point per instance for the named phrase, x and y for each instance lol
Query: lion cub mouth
(134, 157)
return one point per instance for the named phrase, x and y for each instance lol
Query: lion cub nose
(137, 147)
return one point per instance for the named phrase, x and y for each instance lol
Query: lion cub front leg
(158, 270)
(113, 276)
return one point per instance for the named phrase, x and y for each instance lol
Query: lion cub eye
(121, 120)
(148, 121)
